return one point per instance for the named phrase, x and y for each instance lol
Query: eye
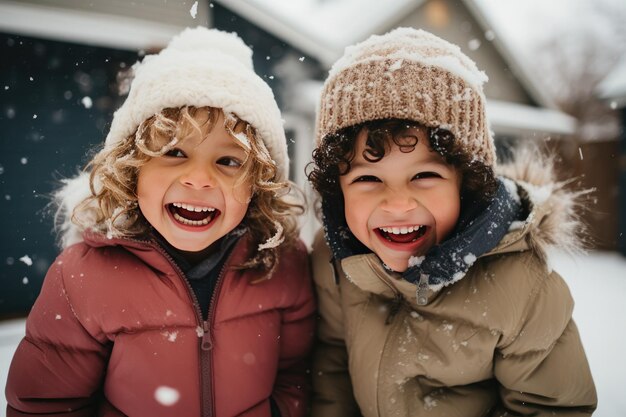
(366, 178)
(229, 161)
(175, 153)
(424, 175)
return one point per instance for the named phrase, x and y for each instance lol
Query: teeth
(400, 230)
(193, 208)
(191, 222)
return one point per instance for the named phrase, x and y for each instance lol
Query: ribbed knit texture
(409, 74)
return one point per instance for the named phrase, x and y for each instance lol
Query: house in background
(60, 88)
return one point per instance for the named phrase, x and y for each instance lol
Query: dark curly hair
(332, 159)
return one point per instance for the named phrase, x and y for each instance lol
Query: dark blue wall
(45, 133)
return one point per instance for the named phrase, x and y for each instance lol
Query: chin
(397, 265)
(187, 246)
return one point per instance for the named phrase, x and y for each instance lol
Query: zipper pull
(422, 290)
(207, 343)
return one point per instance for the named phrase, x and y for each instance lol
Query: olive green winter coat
(500, 341)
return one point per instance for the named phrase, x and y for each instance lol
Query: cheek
(151, 186)
(142, 186)
(241, 194)
(446, 215)
(357, 214)
(237, 201)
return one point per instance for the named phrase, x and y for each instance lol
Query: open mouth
(404, 234)
(190, 215)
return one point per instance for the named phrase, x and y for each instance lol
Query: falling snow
(473, 44)
(26, 259)
(469, 259)
(170, 336)
(396, 65)
(194, 10)
(166, 396)
(87, 102)
(416, 260)
(429, 402)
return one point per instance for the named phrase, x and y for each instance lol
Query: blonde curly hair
(112, 207)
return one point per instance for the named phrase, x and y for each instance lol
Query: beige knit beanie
(408, 74)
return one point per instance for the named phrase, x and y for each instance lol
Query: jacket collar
(201, 269)
(152, 253)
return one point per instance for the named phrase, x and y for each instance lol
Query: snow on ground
(598, 284)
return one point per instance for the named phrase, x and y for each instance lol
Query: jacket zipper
(422, 290)
(206, 344)
(421, 293)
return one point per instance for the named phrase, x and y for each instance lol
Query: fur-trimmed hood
(66, 198)
(554, 209)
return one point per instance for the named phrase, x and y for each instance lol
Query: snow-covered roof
(613, 87)
(85, 27)
(518, 65)
(323, 28)
(512, 118)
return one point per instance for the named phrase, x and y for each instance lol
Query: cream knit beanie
(203, 67)
(200, 67)
(408, 74)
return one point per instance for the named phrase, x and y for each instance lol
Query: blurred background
(557, 76)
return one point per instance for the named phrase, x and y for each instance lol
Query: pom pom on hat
(408, 74)
(203, 67)
(199, 39)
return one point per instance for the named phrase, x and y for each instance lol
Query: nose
(198, 176)
(398, 201)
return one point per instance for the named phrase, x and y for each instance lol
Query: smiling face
(403, 204)
(192, 195)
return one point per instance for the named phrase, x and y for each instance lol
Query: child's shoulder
(293, 258)
(98, 249)
(106, 266)
(517, 269)
(513, 284)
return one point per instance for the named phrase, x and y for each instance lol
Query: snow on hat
(408, 74)
(203, 67)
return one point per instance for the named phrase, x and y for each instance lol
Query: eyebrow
(432, 158)
(234, 145)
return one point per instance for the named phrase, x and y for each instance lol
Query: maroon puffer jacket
(116, 331)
